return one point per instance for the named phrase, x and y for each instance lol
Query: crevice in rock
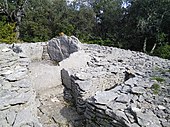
(99, 86)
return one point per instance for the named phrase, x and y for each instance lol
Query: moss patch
(159, 79)
(156, 88)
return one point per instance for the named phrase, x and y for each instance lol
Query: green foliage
(100, 42)
(7, 34)
(156, 88)
(163, 51)
(159, 79)
(161, 70)
(145, 22)
(98, 22)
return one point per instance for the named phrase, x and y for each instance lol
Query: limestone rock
(114, 90)
(60, 48)
(16, 94)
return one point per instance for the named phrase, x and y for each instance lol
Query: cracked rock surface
(120, 88)
(96, 86)
(17, 97)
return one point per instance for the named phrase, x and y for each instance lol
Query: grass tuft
(156, 88)
(159, 79)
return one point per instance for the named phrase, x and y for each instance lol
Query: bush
(159, 79)
(106, 42)
(163, 51)
(156, 88)
(7, 34)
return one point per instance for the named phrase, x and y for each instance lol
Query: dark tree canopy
(141, 25)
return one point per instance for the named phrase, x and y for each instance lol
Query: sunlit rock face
(17, 97)
(60, 48)
(120, 88)
(109, 87)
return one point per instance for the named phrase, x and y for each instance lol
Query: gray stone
(84, 85)
(24, 83)
(82, 76)
(16, 48)
(33, 51)
(22, 55)
(134, 125)
(138, 90)
(105, 97)
(134, 109)
(65, 76)
(131, 82)
(122, 116)
(124, 98)
(161, 107)
(148, 119)
(20, 99)
(126, 89)
(6, 49)
(141, 98)
(24, 117)
(106, 92)
(60, 48)
(16, 76)
(114, 69)
(6, 85)
(166, 124)
(6, 72)
(11, 117)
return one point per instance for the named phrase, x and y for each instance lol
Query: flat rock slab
(44, 75)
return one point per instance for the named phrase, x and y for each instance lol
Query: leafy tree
(35, 25)
(7, 34)
(144, 24)
(163, 51)
(83, 20)
(13, 10)
(109, 14)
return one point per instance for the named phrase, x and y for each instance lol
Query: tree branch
(4, 8)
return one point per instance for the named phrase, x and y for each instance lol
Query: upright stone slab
(60, 48)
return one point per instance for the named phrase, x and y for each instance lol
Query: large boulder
(61, 47)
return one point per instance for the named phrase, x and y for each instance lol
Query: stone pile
(21, 83)
(120, 88)
(17, 98)
(109, 87)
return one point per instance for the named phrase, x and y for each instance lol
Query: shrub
(7, 34)
(155, 87)
(163, 51)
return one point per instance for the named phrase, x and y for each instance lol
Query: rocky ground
(96, 86)
(53, 110)
(120, 88)
(18, 107)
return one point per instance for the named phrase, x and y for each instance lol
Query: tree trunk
(153, 48)
(19, 15)
(144, 45)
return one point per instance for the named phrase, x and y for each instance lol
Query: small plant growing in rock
(156, 88)
(56, 63)
(168, 70)
(159, 79)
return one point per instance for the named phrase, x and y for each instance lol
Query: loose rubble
(17, 97)
(116, 89)
(109, 87)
